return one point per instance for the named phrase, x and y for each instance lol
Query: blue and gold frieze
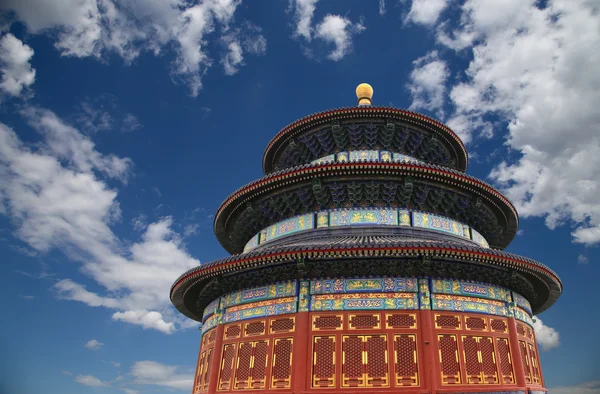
(253, 243)
(343, 157)
(522, 302)
(210, 308)
(211, 322)
(353, 217)
(290, 226)
(324, 160)
(261, 309)
(364, 155)
(330, 286)
(475, 236)
(446, 302)
(382, 156)
(438, 223)
(304, 296)
(470, 288)
(385, 156)
(322, 219)
(363, 301)
(424, 294)
(277, 290)
(400, 158)
(522, 315)
(404, 217)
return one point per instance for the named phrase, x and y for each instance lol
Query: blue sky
(124, 125)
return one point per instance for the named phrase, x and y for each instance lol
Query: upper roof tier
(365, 128)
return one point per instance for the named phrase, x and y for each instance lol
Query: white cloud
(581, 259)
(130, 391)
(304, 11)
(67, 373)
(381, 7)
(130, 123)
(154, 373)
(191, 229)
(93, 118)
(583, 388)
(17, 73)
(94, 344)
(56, 199)
(426, 12)
(28, 297)
(96, 28)
(546, 337)
(115, 364)
(233, 58)
(338, 30)
(90, 381)
(534, 68)
(427, 83)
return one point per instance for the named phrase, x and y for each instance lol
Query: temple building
(366, 260)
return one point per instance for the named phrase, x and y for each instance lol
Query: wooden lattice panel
(260, 359)
(364, 321)
(471, 357)
(525, 361)
(199, 373)
(328, 322)
(323, 371)
(285, 324)
(405, 358)
(376, 360)
(353, 368)
(520, 329)
(475, 323)
(505, 360)
(447, 322)
(489, 369)
(281, 370)
(255, 328)
(226, 367)
(497, 325)
(232, 332)
(206, 369)
(242, 370)
(211, 337)
(448, 352)
(535, 370)
(401, 320)
(480, 360)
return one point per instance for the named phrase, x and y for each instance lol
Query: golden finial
(364, 93)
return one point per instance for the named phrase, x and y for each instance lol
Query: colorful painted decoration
(210, 309)
(424, 294)
(522, 302)
(325, 160)
(253, 243)
(367, 301)
(446, 302)
(290, 226)
(400, 158)
(211, 322)
(330, 286)
(278, 290)
(470, 288)
(304, 296)
(522, 315)
(383, 156)
(273, 308)
(404, 217)
(438, 223)
(364, 155)
(353, 217)
(475, 236)
(343, 157)
(322, 219)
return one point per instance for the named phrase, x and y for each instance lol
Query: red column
(215, 364)
(301, 355)
(516, 354)
(429, 375)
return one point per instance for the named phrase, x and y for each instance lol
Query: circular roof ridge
(362, 109)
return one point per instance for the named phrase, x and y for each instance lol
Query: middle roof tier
(414, 186)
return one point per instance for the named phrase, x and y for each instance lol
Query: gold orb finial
(364, 93)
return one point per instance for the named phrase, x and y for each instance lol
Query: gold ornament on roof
(364, 93)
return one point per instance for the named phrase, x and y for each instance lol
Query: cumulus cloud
(97, 28)
(533, 68)
(583, 388)
(15, 66)
(581, 259)
(546, 337)
(333, 29)
(57, 197)
(90, 381)
(426, 12)
(427, 83)
(94, 344)
(154, 373)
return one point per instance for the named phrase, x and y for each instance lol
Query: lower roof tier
(315, 187)
(355, 256)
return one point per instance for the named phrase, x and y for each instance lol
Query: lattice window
(520, 329)
(324, 361)
(480, 360)
(258, 376)
(525, 361)
(405, 356)
(282, 325)
(535, 370)
(498, 325)
(327, 322)
(488, 360)
(505, 360)
(251, 364)
(199, 370)
(448, 350)
(529, 332)
(364, 321)
(475, 323)
(472, 363)
(447, 321)
(281, 373)
(401, 320)
(377, 360)
(207, 365)
(254, 328)
(211, 337)
(353, 369)
(243, 365)
(233, 331)
(226, 366)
